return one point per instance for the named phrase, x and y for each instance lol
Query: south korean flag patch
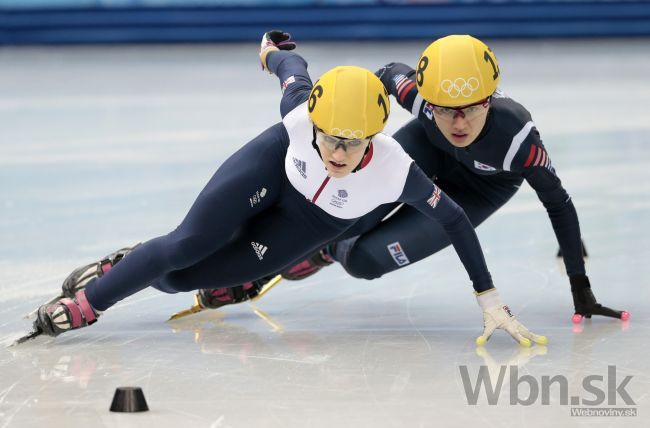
(483, 167)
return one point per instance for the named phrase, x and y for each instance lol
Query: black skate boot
(79, 277)
(213, 298)
(65, 314)
(308, 267)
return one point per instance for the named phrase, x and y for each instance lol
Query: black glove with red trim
(585, 303)
(275, 40)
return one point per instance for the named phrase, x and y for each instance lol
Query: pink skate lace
(222, 295)
(303, 268)
(80, 309)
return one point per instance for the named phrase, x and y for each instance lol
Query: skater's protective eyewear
(468, 112)
(350, 145)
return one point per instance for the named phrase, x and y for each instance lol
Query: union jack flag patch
(435, 197)
(286, 83)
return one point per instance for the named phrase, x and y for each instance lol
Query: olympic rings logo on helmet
(347, 133)
(460, 86)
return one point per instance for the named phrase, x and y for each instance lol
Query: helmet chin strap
(363, 158)
(313, 142)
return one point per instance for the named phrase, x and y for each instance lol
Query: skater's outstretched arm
(534, 163)
(423, 194)
(530, 159)
(289, 67)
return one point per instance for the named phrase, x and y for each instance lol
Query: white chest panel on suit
(381, 181)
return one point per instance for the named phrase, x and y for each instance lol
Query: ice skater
(297, 186)
(479, 145)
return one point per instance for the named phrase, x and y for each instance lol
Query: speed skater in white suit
(326, 165)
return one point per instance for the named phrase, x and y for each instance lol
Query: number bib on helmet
(381, 181)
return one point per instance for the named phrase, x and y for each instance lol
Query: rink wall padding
(326, 22)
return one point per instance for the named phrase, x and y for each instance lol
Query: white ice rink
(102, 147)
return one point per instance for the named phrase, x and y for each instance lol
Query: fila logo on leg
(397, 253)
(259, 249)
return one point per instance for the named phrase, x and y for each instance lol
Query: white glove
(497, 315)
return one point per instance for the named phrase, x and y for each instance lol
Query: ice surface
(101, 147)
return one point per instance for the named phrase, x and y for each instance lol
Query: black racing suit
(480, 178)
(249, 221)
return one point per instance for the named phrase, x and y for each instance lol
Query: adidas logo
(301, 166)
(259, 249)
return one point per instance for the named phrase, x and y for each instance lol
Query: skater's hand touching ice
(497, 315)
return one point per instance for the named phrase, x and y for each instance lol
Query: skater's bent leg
(409, 236)
(405, 238)
(268, 244)
(222, 207)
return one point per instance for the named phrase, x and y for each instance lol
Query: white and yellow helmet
(457, 70)
(349, 102)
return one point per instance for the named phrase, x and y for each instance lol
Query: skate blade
(267, 287)
(196, 308)
(27, 337)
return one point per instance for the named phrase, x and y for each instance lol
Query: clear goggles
(350, 145)
(468, 112)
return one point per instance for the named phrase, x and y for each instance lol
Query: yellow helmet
(457, 70)
(349, 102)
